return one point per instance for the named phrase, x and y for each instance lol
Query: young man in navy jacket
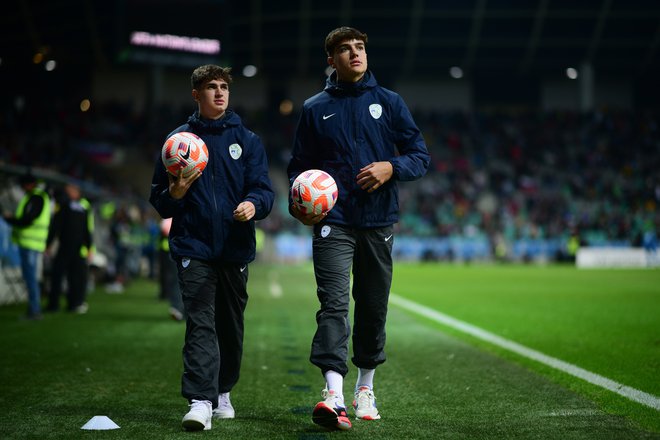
(365, 137)
(212, 240)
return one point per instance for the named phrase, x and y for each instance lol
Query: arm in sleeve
(160, 198)
(31, 211)
(258, 187)
(55, 227)
(413, 160)
(89, 232)
(302, 153)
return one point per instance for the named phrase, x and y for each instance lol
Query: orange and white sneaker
(330, 413)
(365, 404)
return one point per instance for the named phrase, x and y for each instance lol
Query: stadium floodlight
(249, 71)
(456, 72)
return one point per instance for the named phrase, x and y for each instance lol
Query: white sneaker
(199, 416)
(176, 314)
(224, 409)
(365, 404)
(81, 309)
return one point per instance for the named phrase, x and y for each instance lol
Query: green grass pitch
(123, 360)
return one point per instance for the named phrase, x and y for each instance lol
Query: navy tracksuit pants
(337, 249)
(214, 298)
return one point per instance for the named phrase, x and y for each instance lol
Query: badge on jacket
(376, 110)
(235, 151)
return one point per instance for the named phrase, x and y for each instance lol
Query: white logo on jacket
(325, 231)
(376, 110)
(235, 151)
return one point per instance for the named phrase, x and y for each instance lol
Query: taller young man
(212, 239)
(365, 137)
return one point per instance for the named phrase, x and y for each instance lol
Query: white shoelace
(199, 404)
(223, 401)
(365, 399)
(333, 400)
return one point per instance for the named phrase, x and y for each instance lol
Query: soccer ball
(185, 151)
(314, 191)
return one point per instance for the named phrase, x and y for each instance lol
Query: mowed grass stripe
(605, 321)
(593, 378)
(123, 360)
(437, 386)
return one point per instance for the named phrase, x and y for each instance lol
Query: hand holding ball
(314, 191)
(184, 151)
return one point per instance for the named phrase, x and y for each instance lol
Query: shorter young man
(212, 240)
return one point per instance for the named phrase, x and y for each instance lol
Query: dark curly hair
(336, 36)
(209, 72)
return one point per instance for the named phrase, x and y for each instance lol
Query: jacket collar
(336, 87)
(229, 119)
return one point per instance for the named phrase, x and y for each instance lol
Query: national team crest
(235, 151)
(376, 110)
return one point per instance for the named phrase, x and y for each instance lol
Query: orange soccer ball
(314, 191)
(185, 151)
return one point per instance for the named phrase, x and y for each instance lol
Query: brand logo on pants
(185, 262)
(325, 231)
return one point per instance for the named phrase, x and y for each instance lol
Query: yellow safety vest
(84, 251)
(35, 235)
(165, 244)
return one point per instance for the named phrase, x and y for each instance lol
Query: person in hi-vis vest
(29, 231)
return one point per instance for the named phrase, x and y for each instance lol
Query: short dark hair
(209, 72)
(27, 179)
(336, 36)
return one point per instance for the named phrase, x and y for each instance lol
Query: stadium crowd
(496, 176)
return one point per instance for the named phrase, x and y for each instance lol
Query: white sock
(335, 381)
(365, 378)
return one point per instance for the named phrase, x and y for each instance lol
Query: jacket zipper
(356, 158)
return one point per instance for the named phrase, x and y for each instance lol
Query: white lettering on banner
(613, 257)
(176, 42)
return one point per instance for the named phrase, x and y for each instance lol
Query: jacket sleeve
(302, 153)
(160, 197)
(31, 211)
(89, 231)
(55, 226)
(258, 187)
(413, 160)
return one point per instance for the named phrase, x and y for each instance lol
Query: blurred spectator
(169, 282)
(71, 233)
(29, 231)
(150, 238)
(120, 231)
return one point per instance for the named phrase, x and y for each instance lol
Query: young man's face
(212, 98)
(350, 60)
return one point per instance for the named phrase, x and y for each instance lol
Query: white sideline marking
(574, 413)
(593, 378)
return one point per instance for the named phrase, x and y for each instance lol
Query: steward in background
(29, 231)
(72, 229)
